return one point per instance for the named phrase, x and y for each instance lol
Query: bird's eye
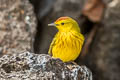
(62, 23)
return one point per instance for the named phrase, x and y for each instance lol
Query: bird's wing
(51, 45)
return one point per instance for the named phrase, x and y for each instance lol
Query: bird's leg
(71, 62)
(74, 63)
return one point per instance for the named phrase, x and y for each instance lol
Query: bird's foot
(70, 64)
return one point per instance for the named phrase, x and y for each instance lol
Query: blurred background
(23, 27)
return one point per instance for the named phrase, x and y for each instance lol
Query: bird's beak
(52, 24)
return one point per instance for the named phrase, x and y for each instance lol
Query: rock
(105, 50)
(17, 26)
(42, 7)
(29, 66)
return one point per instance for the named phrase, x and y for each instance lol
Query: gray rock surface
(29, 66)
(105, 53)
(17, 26)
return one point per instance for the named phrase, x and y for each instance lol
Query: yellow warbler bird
(68, 41)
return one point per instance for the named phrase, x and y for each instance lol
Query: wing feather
(51, 45)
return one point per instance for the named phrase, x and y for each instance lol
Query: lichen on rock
(29, 66)
(17, 26)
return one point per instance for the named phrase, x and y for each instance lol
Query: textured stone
(17, 25)
(29, 66)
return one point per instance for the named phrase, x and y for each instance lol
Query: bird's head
(66, 24)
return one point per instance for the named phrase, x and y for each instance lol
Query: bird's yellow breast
(67, 46)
